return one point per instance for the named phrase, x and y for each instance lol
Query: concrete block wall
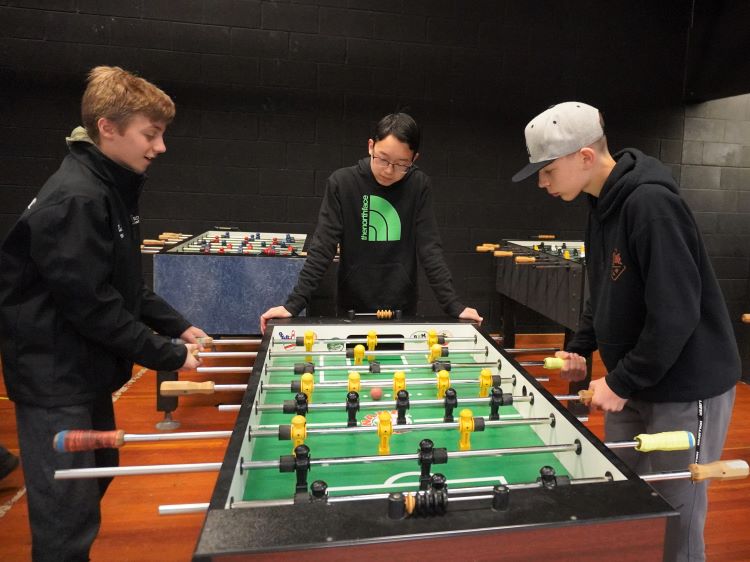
(716, 183)
(274, 95)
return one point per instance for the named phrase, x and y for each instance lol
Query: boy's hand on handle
(574, 366)
(275, 312)
(604, 398)
(192, 361)
(471, 314)
(194, 335)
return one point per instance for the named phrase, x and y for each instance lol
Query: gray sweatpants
(708, 420)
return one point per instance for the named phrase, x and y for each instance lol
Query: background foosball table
(477, 461)
(547, 276)
(223, 280)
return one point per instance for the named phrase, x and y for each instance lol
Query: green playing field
(374, 477)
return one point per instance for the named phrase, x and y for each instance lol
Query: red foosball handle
(87, 440)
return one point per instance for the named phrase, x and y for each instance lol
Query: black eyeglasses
(383, 163)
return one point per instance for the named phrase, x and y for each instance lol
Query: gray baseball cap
(559, 131)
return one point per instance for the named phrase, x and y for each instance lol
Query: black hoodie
(74, 311)
(381, 232)
(656, 312)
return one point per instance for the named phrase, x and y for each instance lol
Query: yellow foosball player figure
(656, 312)
(380, 214)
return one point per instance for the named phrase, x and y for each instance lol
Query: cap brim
(529, 169)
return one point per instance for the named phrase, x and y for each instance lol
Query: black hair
(401, 126)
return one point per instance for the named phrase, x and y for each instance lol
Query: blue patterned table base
(224, 294)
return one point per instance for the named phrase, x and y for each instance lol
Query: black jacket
(74, 311)
(656, 312)
(382, 231)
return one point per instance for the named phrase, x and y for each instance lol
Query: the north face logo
(380, 221)
(617, 266)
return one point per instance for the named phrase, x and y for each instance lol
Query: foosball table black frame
(624, 518)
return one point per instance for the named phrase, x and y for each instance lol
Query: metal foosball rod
(496, 494)
(550, 363)
(88, 439)
(371, 383)
(511, 379)
(227, 354)
(352, 353)
(529, 350)
(224, 369)
(283, 431)
(110, 472)
(441, 339)
(728, 468)
(376, 367)
(381, 404)
(718, 470)
(209, 341)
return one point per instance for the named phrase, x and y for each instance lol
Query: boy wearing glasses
(380, 214)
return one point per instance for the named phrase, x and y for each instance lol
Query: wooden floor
(133, 530)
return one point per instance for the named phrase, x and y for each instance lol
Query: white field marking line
(438, 420)
(391, 483)
(5, 508)
(116, 395)
(322, 378)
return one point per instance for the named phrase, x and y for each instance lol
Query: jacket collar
(127, 183)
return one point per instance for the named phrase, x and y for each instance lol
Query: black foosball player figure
(656, 312)
(402, 406)
(380, 214)
(450, 403)
(299, 463)
(352, 407)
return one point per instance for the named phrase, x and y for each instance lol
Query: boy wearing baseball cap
(655, 313)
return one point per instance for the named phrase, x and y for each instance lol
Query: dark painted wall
(274, 95)
(718, 34)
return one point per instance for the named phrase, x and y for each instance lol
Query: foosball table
(409, 439)
(223, 280)
(547, 276)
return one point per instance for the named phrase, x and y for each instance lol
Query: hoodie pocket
(374, 286)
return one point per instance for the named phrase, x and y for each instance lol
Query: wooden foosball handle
(182, 388)
(586, 396)
(746, 318)
(87, 440)
(502, 254)
(487, 247)
(525, 259)
(148, 242)
(719, 470)
(208, 341)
